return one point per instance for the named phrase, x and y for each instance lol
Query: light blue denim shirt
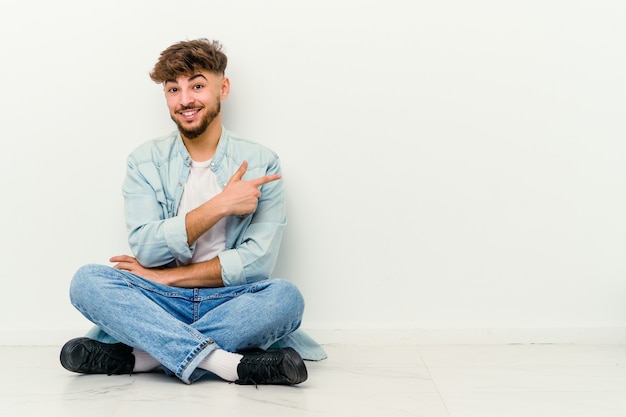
(156, 175)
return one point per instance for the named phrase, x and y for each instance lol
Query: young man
(205, 213)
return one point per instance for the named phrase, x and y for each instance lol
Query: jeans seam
(191, 356)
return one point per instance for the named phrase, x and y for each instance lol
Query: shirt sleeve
(254, 253)
(155, 237)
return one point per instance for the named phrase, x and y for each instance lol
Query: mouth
(189, 114)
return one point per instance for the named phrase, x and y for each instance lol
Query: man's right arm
(239, 197)
(156, 237)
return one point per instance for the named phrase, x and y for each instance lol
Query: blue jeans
(179, 327)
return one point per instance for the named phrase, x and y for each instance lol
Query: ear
(225, 88)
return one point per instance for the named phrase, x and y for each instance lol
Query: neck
(202, 148)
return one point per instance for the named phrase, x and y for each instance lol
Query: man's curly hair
(188, 58)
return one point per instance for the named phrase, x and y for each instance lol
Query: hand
(242, 196)
(130, 264)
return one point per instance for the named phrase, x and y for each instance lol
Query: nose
(186, 98)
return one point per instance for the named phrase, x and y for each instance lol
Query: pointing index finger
(265, 179)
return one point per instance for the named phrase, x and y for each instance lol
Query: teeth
(188, 113)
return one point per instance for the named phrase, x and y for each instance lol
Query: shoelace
(103, 360)
(262, 368)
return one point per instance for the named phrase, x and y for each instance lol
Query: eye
(172, 90)
(198, 86)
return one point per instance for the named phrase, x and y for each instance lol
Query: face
(194, 101)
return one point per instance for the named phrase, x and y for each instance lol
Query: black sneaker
(280, 367)
(88, 356)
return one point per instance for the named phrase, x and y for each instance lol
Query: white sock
(223, 364)
(144, 362)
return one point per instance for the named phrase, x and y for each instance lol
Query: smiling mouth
(189, 113)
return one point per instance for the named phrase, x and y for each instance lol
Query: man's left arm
(206, 274)
(253, 255)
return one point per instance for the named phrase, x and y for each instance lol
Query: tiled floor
(360, 381)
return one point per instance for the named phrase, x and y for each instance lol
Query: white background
(448, 165)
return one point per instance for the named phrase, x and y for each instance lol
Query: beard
(205, 122)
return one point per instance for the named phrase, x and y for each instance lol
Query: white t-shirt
(201, 186)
